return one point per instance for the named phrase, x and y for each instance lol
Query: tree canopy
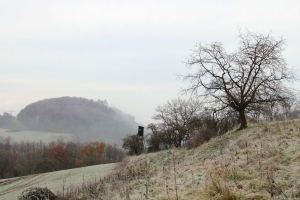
(247, 79)
(174, 118)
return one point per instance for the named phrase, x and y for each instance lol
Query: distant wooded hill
(88, 120)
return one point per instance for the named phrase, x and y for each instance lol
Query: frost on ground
(35, 136)
(260, 162)
(55, 181)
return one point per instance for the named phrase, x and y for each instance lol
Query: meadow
(58, 182)
(34, 136)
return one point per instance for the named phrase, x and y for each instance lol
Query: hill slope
(75, 178)
(261, 162)
(88, 120)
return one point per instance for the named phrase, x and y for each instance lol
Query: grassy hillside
(75, 179)
(261, 162)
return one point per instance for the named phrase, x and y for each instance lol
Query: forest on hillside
(88, 120)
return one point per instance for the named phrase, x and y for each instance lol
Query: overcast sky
(124, 51)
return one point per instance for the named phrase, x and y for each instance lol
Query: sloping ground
(261, 162)
(10, 189)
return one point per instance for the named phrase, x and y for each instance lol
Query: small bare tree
(252, 76)
(174, 118)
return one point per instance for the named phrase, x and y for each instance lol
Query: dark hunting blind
(141, 131)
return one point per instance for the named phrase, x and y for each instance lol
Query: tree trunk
(242, 119)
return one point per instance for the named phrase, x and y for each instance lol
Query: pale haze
(127, 52)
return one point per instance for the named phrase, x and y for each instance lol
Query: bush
(134, 144)
(200, 136)
(37, 193)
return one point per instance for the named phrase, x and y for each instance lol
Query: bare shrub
(37, 193)
(200, 136)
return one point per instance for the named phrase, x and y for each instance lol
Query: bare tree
(113, 153)
(174, 118)
(254, 75)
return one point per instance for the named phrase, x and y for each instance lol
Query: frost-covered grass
(260, 162)
(55, 181)
(35, 136)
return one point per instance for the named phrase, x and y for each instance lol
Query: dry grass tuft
(216, 188)
(255, 196)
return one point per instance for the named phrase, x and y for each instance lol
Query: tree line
(24, 158)
(226, 90)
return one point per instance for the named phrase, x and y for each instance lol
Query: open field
(35, 136)
(11, 188)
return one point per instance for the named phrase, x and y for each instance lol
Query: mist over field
(70, 119)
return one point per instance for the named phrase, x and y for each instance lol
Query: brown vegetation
(24, 158)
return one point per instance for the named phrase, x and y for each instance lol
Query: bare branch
(252, 75)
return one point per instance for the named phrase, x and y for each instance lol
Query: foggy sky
(126, 52)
